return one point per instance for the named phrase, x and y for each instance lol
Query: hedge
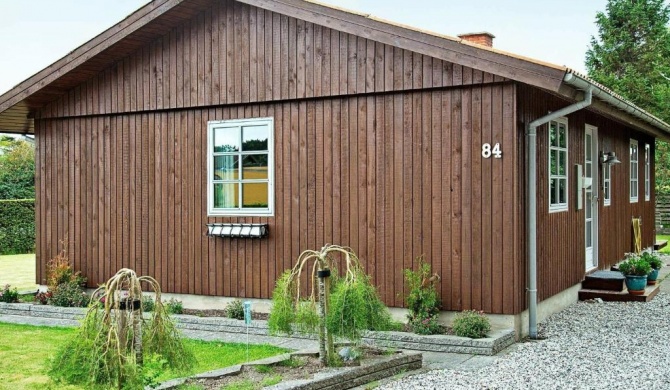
(17, 226)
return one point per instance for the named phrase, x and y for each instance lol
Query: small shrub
(471, 323)
(69, 294)
(174, 306)
(422, 301)
(9, 295)
(653, 260)
(148, 303)
(43, 297)
(235, 309)
(635, 265)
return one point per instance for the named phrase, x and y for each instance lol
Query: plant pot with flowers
(655, 262)
(635, 269)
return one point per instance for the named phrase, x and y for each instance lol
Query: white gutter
(531, 196)
(608, 96)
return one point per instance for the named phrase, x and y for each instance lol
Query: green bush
(68, 294)
(422, 301)
(235, 309)
(9, 295)
(471, 323)
(174, 306)
(148, 303)
(17, 226)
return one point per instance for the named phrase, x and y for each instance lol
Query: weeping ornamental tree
(336, 306)
(115, 341)
(631, 55)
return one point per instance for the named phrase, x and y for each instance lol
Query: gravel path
(587, 346)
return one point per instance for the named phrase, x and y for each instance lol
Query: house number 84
(487, 151)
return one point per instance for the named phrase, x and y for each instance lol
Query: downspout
(531, 196)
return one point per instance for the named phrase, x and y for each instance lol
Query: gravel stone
(609, 345)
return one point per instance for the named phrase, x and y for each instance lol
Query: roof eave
(658, 128)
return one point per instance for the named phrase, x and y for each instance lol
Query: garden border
(496, 342)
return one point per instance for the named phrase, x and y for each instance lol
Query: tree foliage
(17, 169)
(631, 55)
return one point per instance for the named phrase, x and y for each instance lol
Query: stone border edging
(491, 345)
(338, 378)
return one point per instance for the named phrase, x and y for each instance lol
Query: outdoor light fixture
(609, 158)
(237, 230)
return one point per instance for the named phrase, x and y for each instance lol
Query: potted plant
(635, 269)
(655, 263)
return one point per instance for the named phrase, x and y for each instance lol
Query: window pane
(562, 190)
(553, 138)
(587, 201)
(227, 139)
(562, 164)
(226, 195)
(226, 167)
(606, 190)
(553, 162)
(255, 195)
(562, 133)
(587, 169)
(588, 148)
(255, 166)
(552, 191)
(589, 239)
(254, 138)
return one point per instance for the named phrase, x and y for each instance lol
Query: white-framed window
(647, 172)
(558, 165)
(607, 184)
(634, 181)
(240, 167)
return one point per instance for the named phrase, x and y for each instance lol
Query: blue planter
(636, 284)
(651, 278)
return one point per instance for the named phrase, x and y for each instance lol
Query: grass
(24, 357)
(665, 250)
(18, 271)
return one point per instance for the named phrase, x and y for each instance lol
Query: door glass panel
(589, 238)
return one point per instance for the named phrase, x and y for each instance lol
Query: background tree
(17, 169)
(632, 56)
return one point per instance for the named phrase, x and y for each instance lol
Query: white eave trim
(608, 96)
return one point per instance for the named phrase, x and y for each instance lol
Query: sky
(36, 33)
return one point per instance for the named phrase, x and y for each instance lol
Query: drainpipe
(531, 196)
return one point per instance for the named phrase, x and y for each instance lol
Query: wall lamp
(609, 158)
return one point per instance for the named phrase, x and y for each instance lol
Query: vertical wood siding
(233, 53)
(394, 176)
(561, 236)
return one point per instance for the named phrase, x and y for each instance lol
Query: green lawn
(25, 352)
(18, 271)
(667, 248)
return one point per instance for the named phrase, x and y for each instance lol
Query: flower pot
(651, 278)
(636, 284)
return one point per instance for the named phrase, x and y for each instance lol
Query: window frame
(240, 212)
(558, 207)
(634, 166)
(607, 184)
(647, 172)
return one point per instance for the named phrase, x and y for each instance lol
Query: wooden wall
(233, 53)
(376, 147)
(393, 176)
(561, 238)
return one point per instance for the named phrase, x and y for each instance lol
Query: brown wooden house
(328, 126)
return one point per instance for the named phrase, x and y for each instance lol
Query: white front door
(591, 195)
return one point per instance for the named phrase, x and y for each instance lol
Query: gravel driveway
(587, 346)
